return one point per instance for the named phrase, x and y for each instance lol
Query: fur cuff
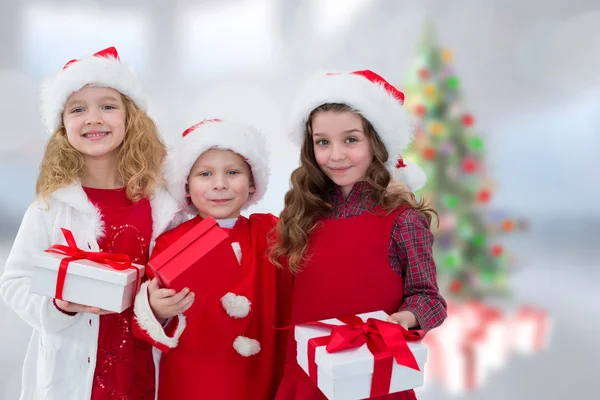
(148, 322)
(245, 346)
(236, 306)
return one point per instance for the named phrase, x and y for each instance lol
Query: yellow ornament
(436, 128)
(429, 89)
(446, 56)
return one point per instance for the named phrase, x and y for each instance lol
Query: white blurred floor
(559, 270)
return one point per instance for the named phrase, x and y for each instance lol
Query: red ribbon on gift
(540, 318)
(119, 262)
(385, 340)
(484, 315)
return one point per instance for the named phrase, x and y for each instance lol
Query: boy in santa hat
(232, 350)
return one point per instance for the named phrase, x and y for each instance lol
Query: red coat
(213, 355)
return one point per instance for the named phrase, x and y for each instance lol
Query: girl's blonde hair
(139, 161)
(308, 197)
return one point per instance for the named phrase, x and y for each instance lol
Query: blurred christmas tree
(451, 151)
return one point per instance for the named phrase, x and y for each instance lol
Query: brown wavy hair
(139, 160)
(310, 189)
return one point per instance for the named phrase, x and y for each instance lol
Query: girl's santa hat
(215, 133)
(376, 100)
(103, 69)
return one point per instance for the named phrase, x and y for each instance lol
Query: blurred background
(505, 96)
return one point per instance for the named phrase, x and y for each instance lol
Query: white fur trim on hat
(92, 70)
(239, 138)
(245, 346)
(236, 306)
(411, 175)
(380, 106)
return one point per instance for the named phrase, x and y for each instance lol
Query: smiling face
(94, 119)
(342, 150)
(219, 184)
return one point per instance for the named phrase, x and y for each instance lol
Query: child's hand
(77, 308)
(404, 318)
(165, 303)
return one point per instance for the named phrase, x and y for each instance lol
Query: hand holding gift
(167, 303)
(406, 319)
(202, 261)
(74, 308)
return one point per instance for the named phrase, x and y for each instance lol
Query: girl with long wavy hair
(354, 244)
(99, 178)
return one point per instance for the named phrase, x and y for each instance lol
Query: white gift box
(347, 374)
(457, 363)
(494, 339)
(459, 350)
(531, 330)
(87, 282)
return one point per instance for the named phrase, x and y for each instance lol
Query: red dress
(124, 365)
(348, 272)
(205, 365)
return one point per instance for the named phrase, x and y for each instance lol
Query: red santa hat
(103, 68)
(215, 133)
(376, 100)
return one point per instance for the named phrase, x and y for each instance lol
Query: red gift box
(201, 260)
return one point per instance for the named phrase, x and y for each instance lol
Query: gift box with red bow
(462, 350)
(361, 356)
(491, 332)
(105, 280)
(532, 328)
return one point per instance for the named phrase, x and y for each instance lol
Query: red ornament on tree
(424, 73)
(469, 165)
(497, 250)
(420, 110)
(429, 153)
(456, 286)
(483, 196)
(467, 120)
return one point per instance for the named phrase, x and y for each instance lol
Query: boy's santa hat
(376, 100)
(103, 69)
(215, 133)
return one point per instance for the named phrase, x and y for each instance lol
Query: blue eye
(233, 172)
(205, 173)
(76, 110)
(322, 142)
(351, 140)
(109, 108)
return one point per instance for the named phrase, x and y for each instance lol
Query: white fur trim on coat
(411, 175)
(147, 321)
(237, 250)
(239, 138)
(236, 306)
(245, 346)
(91, 70)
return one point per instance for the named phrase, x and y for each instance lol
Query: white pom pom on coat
(245, 346)
(236, 306)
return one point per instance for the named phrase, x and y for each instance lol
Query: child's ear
(252, 188)
(187, 190)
